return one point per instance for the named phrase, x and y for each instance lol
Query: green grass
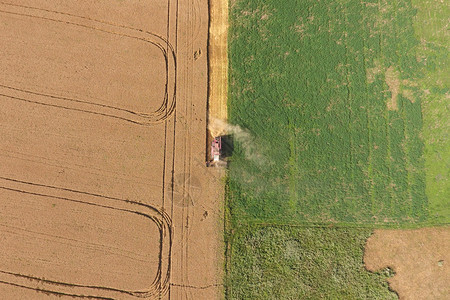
(312, 81)
(302, 263)
(433, 52)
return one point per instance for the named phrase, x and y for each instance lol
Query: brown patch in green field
(408, 94)
(419, 258)
(372, 72)
(392, 80)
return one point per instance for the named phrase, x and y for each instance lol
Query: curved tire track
(161, 219)
(82, 105)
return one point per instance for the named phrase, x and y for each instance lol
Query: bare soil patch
(419, 258)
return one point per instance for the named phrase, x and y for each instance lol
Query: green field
(302, 263)
(347, 104)
(431, 26)
(332, 93)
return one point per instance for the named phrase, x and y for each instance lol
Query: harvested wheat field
(418, 257)
(104, 193)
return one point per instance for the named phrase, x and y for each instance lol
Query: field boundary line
(341, 225)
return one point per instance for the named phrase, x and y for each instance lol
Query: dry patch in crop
(419, 258)
(394, 85)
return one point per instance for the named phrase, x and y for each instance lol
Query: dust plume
(219, 127)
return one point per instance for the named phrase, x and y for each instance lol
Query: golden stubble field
(104, 193)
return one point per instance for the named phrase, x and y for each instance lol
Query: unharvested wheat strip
(218, 59)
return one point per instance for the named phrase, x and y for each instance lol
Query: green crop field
(303, 263)
(345, 107)
(333, 94)
(431, 26)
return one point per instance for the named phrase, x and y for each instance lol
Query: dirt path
(103, 186)
(420, 258)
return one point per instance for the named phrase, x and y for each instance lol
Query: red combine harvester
(216, 149)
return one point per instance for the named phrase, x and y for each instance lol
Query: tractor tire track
(163, 112)
(159, 218)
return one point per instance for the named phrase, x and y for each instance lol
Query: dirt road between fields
(420, 259)
(104, 193)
